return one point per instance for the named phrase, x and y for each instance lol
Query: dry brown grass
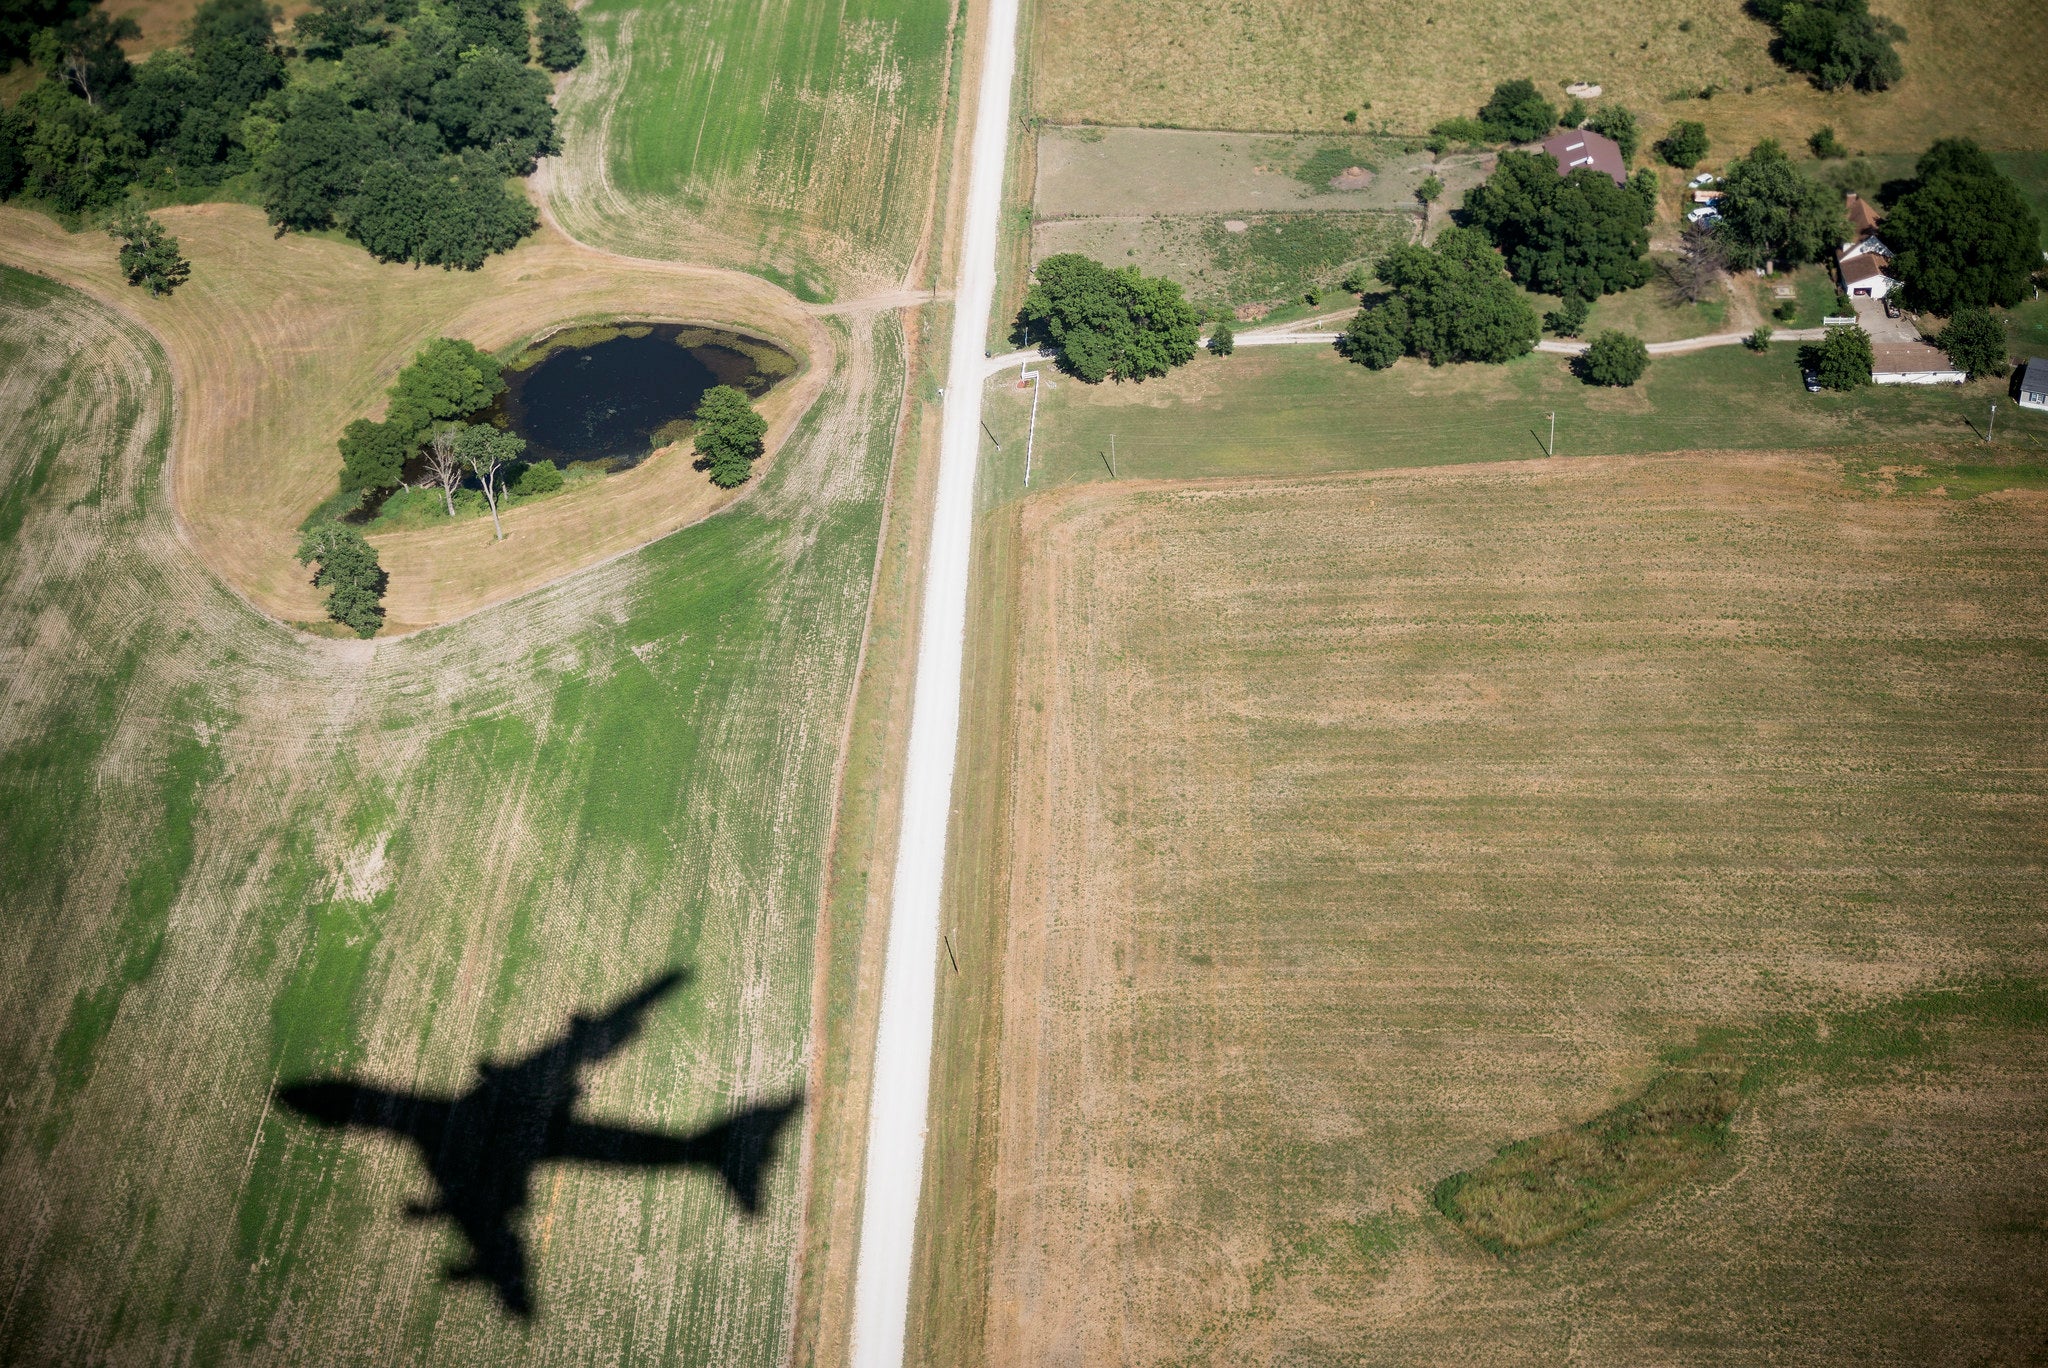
(278, 342)
(1971, 69)
(1360, 825)
(163, 22)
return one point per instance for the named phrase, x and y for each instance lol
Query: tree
(1975, 343)
(1962, 236)
(350, 574)
(1614, 358)
(22, 20)
(1613, 121)
(1452, 301)
(85, 53)
(1222, 338)
(486, 451)
(1837, 42)
(1574, 235)
(1825, 145)
(444, 463)
(1759, 339)
(315, 162)
(1103, 323)
(447, 379)
(496, 102)
(1517, 113)
(452, 212)
(492, 23)
(74, 155)
(728, 436)
(14, 133)
(332, 27)
(1695, 274)
(372, 455)
(1841, 360)
(1684, 145)
(1569, 317)
(1770, 212)
(561, 35)
(1431, 190)
(149, 255)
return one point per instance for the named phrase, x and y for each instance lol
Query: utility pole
(1991, 426)
(1112, 455)
(1551, 448)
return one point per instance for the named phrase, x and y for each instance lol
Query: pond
(615, 393)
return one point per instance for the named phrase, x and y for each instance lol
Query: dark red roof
(1578, 149)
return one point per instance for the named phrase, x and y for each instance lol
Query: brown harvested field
(277, 343)
(1283, 65)
(1360, 825)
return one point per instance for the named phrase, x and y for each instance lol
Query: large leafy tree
(373, 455)
(1841, 360)
(1975, 343)
(1770, 212)
(1837, 42)
(447, 379)
(498, 103)
(149, 256)
(1105, 323)
(1517, 113)
(561, 35)
(1614, 358)
(85, 54)
(1962, 235)
(1566, 235)
(728, 436)
(332, 27)
(350, 573)
(22, 20)
(72, 154)
(492, 23)
(1452, 301)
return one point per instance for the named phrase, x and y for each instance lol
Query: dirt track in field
(277, 343)
(1362, 825)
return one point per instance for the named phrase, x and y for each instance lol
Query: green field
(1304, 410)
(237, 856)
(797, 139)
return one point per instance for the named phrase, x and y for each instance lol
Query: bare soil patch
(1358, 826)
(277, 343)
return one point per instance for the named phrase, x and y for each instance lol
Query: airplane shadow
(482, 1146)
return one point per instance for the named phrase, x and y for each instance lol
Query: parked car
(1812, 381)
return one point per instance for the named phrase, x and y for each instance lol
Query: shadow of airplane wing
(343, 1102)
(739, 1149)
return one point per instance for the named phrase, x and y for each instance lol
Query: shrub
(350, 574)
(1842, 360)
(1431, 189)
(1825, 145)
(1837, 42)
(1222, 338)
(1457, 131)
(1786, 311)
(542, 477)
(1975, 343)
(1759, 340)
(1615, 358)
(729, 434)
(1568, 317)
(1517, 113)
(1684, 145)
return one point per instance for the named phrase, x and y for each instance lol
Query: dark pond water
(616, 393)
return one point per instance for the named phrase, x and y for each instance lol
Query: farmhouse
(1862, 259)
(2034, 384)
(1912, 363)
(1863, 276)
(1578, 149)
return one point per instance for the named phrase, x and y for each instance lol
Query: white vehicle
(1706, 213)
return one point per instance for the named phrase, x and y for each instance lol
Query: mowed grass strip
(1301, 64)
(1542, 1189)
(797, 139)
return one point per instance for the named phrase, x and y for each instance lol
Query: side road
(1279, 338)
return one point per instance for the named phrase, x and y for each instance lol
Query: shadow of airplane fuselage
(481, 1147)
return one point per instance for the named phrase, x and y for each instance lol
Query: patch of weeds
(1326, 163)
(1875, 475)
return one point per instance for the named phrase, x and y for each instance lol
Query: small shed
(2034, 384)
(1912, 363)
(1579, 149)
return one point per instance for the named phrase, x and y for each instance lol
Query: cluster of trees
(396, 121)
(1837, 42)
(1450, 301)
(728, 436)
(1516, 112)
(1104, 323)
(447, 381)
(350, 573)
(149, 255)
(1577, 235)
(1961, 235)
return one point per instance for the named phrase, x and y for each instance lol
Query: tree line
(398, 121)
